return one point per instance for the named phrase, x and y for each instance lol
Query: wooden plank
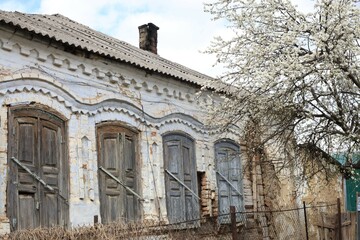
(233, 222)
(49, 146)
(27, 141)
(49, 210)
(27, 208)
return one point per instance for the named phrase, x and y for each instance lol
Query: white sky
(185, 29)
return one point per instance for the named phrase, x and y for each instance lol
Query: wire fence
(281, 224)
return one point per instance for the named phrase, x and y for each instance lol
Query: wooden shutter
(35, 139)
(190, 179)
(223, 187)
(117, 154)
(174, 191)
(179, 159)
(131, 201)
(51, 173)
(229, 176)
(24, 189)
(110, 196)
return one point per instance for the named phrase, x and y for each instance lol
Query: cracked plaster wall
(89, 91)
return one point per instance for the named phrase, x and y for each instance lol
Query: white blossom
(292, 71)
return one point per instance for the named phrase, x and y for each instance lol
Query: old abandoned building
(92, 126)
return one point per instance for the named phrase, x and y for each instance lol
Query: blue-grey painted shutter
(235, 175)
(179, 159)
(174, 191)
(223, 186)
(189, 170)
(229, 176)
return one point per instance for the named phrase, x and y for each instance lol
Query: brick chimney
(148, 37)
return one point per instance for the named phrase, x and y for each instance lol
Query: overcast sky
(185, 29)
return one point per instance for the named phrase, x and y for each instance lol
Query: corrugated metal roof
(75, 34)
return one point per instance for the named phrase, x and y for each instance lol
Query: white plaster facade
(90, 90)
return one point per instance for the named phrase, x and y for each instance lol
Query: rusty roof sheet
(67, 31)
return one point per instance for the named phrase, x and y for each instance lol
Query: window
(37, 149)
(180, 178)
(118, 174)
(229, 176)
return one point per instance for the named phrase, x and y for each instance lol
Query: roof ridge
(66, 30)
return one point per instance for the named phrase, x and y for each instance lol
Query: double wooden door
(38, 196)
(117, 154)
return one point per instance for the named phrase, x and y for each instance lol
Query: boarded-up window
(229, 176)
(180, 166)
(37, 140)
(117, 154)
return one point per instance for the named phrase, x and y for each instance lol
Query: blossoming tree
(296, 73)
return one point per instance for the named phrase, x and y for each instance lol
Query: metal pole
(233, 222)
(339, 218)
(306, 224)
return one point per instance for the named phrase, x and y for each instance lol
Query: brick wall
(208, 201)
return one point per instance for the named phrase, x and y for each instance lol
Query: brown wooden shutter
(50, 139)
(36, 139)
(117, 155)
(110, 191)
(24, 188)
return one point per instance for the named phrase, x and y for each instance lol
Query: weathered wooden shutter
(174, 191)
(51, 172)
(190, 179)
(35, 139)
(24, 189)
(229, 176)
(117, 148)
(179, 159)
(110, 192)
(132, 202)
